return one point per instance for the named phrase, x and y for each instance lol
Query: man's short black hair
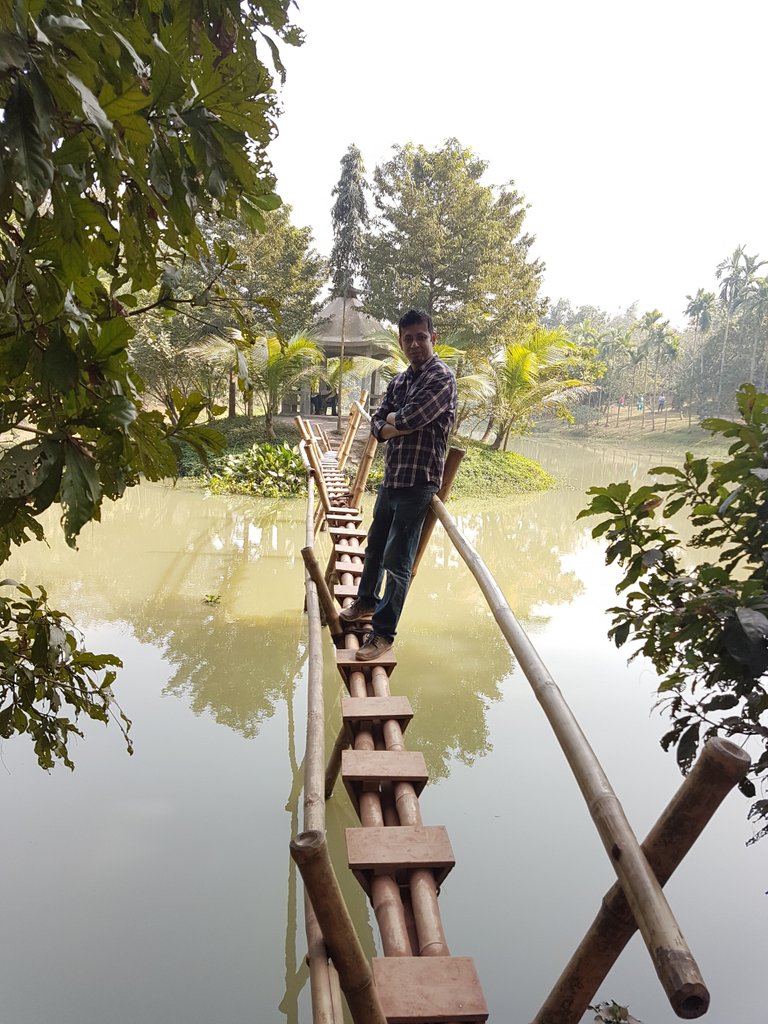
(415, 316)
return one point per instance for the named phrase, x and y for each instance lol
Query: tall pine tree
(350, 218)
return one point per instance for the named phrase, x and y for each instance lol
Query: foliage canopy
(125, 129)
(702, 621)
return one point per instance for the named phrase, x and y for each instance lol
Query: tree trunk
(722, 357)
(499, 439)
(232, 411)
(488, 429)
(268, 425)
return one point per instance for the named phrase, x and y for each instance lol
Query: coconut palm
(530, 376)
(275, 368)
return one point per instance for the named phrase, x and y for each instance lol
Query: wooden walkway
(399, 861)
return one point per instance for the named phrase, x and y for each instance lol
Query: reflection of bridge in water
(399, 861)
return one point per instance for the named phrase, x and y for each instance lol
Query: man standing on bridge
(414, 418)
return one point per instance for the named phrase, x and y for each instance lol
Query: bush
(241, 433)
(267, 470)
(484, 472)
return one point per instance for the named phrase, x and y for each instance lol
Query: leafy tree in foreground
(703, 622)
(124, 127)
(350, 219)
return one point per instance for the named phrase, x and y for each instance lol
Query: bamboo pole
(675, 966)
(385, 892)
(330, 609)
(719, 767)
(451, 468)
(334, 762)
(363, 472)
(426, 912)
(353, 424)
(310, 852)
(323, 980)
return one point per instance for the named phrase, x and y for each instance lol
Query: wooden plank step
(341, 531)
(347, 662)
(352, 567)
(357, 710)
(347, 549)
(342, 590)
(359, 767)
(398, 849)
(434, 989)
(344, 510)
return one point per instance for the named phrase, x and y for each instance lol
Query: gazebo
(360, 336)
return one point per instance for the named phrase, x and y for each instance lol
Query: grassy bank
(483, 472)
(488, 473)
(677, 438)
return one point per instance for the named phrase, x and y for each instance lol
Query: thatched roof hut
(360, 330)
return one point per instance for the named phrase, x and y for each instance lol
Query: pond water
(159, 888)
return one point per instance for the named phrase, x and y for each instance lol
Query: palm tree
(275, 368)
(650, 325)
(699, 311)
(756, 306)
(732, 276)
(528, 376)
(614, 349)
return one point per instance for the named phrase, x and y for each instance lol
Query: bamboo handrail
(323, 980)
(675, 966)
(450, 469)
(719, 767)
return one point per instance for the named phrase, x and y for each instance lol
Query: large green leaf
(60, 363)
(80, 491)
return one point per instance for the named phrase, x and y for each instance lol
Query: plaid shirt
(425, 403)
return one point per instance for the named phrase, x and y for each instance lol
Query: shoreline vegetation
(251, 464)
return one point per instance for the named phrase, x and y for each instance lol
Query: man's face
(418, 343)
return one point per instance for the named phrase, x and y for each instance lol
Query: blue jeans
(393, 538)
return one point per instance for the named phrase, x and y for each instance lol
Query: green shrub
(268, 470)
(484, 472)
(241, 433)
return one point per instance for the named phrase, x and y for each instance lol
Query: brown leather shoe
(375, 645)
(355, 611)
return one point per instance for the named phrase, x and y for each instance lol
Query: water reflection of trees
(150, 564)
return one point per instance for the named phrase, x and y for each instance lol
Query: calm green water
(158, 888)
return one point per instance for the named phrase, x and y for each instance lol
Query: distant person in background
(662, 402)
(415, 418)
(640, 404)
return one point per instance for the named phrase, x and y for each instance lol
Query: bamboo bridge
(400, 862)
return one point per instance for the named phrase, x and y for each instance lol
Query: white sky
(636, 131)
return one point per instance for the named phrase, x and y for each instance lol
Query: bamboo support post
(353, 424)
(451, 468)
(675, 966)
(310, 852)
(385, 892)
(334, 762)
(329, 606)
(323, 980)
(719, 767)
(363, 472)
